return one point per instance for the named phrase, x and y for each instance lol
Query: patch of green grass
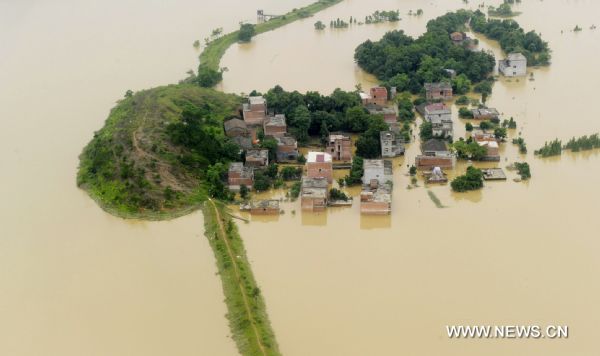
(435, 199)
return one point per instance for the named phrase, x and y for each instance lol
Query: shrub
(471, 180)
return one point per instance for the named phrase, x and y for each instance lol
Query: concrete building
(275, 126)
(319, 165)
(377, 170)
(239, 175)
(437, 110)
(492, 149)
(515, 65)
(340, 147)
(314, 195)
(438, 91)
(442, 128)
(376, 195)
(287, 149)
(257, 158)
(255, 111)
(391, 146)
(390, 115)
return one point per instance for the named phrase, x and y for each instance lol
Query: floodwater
(338, 283)
(73, 279)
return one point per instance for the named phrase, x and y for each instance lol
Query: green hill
(150, 158)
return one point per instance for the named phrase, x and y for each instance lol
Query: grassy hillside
(135, 168)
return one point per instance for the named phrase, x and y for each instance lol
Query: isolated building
(438, 91)
(515, 65)
(287, 149)
(379, 96)
(340, 147)
(275, 126)
(264, 207)
(239, 175)
(319, 165)
(314, 195)
(257, 158)
(485, 114)
(255, 111)
(391, 146)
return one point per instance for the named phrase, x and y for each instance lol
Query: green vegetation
(356, 172)
(246, 310)
(523, 170)
(513, 38)
(521, 142)
(463, 100)
(426, 131)
(469, 150)
(368, 145)
(435, 199)
(295, 190)
(471, 180)
(407, 63)
(336, 194)
(319, 25)
(552, 148)
(209, 70)
(511, 124)
(465, 113)
(337, 23)
(291, 173)
(468, 127)
(246, 32)
(383, 16)
(161, 152)
(583, 143)
(503, 10)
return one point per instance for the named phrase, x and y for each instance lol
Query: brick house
(438, 91)
(376, 195)
(319, 165)
(435, 153)
(379, 96)
(340, 147)
(275, 126)
(255, 111)
(390, 115)
(239, 175)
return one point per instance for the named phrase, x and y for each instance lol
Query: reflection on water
(512, 253)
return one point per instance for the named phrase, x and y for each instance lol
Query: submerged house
(376, 195)
(379, 96)
(435, 153)
(287, 149)
(314, 195)
(438, 91)
(391, 145)
(485, 114)
(319, 165)
(340, 147)
(515, 65)
(255, 111)
(490, 142)
(264, 207)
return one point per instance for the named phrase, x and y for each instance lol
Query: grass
(214, 51)
(246, 310)
(435, 199)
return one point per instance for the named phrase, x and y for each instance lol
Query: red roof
(379, 91)
(436, 106)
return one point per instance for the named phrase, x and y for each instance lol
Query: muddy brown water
(339, 283)
(77, 281)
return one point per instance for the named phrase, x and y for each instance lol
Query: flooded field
(338, 283)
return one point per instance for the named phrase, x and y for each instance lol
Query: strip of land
(247, 313)
(212, 54)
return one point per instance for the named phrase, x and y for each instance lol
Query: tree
(261, 181)
(368, 145)
(357, 118)
(246, 32)
(465, 113)
(336, 194)
(356, 172)
(244, 191)
(208, 77)
(500, 133)
(319, 25)
(468, 127)
(426, 131)
(299, 123)
(271, 145)
(214, 179)
(461, 84)
(128, 93)
(471, 180)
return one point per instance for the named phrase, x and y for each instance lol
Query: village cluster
(375, 196)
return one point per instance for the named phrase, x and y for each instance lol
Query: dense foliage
(583, 143)
(513, 38)
(471, 180)
(552, 148)
(523, 170)
(336, 194)
(356, 172)
(407, 63)
(246, 32)
(469, 150)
